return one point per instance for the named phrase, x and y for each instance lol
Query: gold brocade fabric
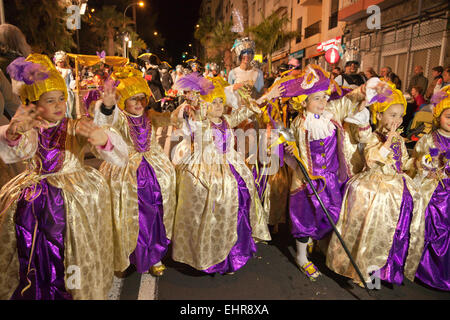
(205, 226)
(124, 198)
(278, 195)
(348, 135)
(88, 239)
(370, 213)
(426, 184)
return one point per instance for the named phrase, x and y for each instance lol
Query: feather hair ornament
(26, 71)
(194, 81)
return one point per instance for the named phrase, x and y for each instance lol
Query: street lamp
(140, 4)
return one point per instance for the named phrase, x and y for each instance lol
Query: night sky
(176, 22)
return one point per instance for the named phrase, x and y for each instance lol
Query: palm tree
(216, 37)
(109, 24)
(270, 35)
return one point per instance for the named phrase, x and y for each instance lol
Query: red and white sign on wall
(324, 46)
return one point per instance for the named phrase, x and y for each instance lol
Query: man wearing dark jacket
(418, 80)
(153, 78)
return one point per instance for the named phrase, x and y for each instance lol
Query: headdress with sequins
(312, 79)
(243, 45)
(34, 76)
(131, 82)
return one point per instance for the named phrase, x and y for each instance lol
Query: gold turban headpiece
(131, 82)
(35, 76)
(396, 97)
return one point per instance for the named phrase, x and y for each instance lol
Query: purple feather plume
(383, 96)
(293, 88)
(28, 72)
(194, 81)
(438, 97)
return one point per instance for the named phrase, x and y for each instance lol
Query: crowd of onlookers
(418, 92)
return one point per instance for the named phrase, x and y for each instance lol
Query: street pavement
(270, 275)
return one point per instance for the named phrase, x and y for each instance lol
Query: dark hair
(438, 69)
(372, 72)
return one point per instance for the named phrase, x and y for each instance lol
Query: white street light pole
(141, 4)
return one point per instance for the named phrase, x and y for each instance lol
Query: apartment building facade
(410, 32)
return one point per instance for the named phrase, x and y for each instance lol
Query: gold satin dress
(88, 238)
(370, 214)
(205, 228)
(123, 184)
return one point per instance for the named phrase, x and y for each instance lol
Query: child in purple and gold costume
(432, 154)
(381, 220)
(55, 218)
(219, 217)
(327, 132)
(143, 192)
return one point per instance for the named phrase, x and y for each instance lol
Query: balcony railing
(313, 29)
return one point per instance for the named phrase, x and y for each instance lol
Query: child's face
(136, 104)
(444, 120)
(52, 106)
(392, 118)
(216, 108)
(414, 92)
(316, 102)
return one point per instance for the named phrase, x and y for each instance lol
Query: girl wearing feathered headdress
(432, 156)
(219, 216)
(381, 220)
(327, 133)
(55, 218)
(143, 192)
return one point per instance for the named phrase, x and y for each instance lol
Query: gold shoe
(310, 270)
(157, 271)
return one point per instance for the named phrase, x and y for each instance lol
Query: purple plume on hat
(313, 80)
(194, 81)
(438, 97)
(26, 71)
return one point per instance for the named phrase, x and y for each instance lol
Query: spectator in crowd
(336, 72)
(13, 44)
(351, 76)
(418, 97)
(418, 80)
(446, 77)
(387, 74)
(395, 80)
(436, 74)
(385, 71)
(370, 73)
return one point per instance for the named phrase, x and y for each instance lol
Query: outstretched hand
(95, 134)
(26, 118)
(109, 94)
